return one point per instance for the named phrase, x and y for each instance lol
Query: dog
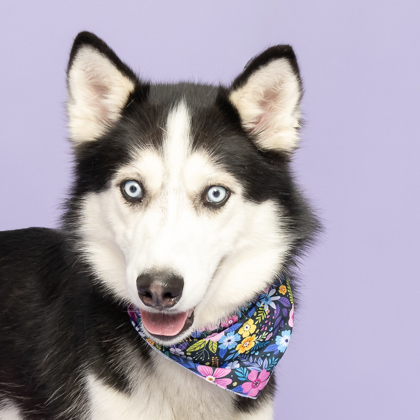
(184, 208)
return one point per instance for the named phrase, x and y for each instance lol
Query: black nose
(160, 290)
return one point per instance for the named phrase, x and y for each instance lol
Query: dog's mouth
(166, 326)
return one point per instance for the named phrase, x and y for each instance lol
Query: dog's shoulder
(28, 242)
(29, 255)
(37, 332)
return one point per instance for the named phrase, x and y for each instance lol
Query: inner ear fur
(267, 96)
(98, 85)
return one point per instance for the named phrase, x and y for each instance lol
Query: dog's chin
(166, 328)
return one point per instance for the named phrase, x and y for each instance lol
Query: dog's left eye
(217, 195)
(132, 190)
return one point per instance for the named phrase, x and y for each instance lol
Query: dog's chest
(162, 390)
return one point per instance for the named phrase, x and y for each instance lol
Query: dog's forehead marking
(177, 142)
(176, 169)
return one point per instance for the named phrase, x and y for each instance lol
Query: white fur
(268, 104)
(9, 411)
(264, 413)
(97, 92)
(171, 393)
(224, 256)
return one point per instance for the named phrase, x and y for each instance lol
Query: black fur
(55, 318)
(53, 323)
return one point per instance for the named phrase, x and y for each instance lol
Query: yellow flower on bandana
(246, 344)
(283, 289)
(248, 328)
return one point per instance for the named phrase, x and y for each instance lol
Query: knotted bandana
(240, 354)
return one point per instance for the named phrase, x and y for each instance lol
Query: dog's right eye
(132, 190)
(216, 196)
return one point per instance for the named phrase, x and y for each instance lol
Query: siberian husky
(183, 206)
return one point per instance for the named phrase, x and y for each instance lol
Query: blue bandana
(240, 354)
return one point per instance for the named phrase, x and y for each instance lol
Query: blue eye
(216, 194)
(132, 190)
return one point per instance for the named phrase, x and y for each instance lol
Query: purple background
(356, 345)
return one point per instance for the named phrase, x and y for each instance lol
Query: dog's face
(183, 199)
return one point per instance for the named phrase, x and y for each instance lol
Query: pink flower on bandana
(216, 376)
(214, 337)
(257, 383)
(292, 316)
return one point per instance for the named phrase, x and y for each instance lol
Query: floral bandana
(240, 354)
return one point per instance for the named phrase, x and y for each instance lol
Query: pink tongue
(163, 324)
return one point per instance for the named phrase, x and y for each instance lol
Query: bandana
(238, 355)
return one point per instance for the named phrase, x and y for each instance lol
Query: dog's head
(183, 198)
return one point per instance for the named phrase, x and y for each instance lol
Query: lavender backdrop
(356, 346)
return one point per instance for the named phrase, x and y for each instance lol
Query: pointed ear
(267, 96)
(98, 85)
